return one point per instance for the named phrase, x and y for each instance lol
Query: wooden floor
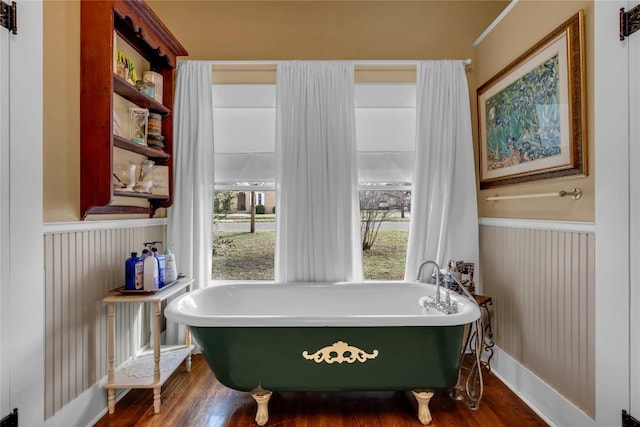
(196, 399)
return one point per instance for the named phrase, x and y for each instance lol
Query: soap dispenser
(171, 271)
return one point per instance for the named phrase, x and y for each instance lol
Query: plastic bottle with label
(161, 266)
(150, 272)
(171, 271)
(133, 272)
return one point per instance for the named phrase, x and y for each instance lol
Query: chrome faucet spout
(419, 278)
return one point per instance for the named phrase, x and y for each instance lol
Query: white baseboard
(86, 409)
(550, 405)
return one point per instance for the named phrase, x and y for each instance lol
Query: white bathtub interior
(374, 303)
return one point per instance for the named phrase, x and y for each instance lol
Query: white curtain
(189, 225)
(318, 216)
(444, 213)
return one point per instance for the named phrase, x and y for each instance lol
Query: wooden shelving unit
(135, 23)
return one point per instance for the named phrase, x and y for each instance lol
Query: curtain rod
(575, 195)
(358, 62)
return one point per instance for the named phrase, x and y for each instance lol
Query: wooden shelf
(135, 372)
(130, 92)
(140, 195)
(152, 153)
(120, 209)
(162, 294)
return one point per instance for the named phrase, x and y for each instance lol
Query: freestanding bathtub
(269, 337)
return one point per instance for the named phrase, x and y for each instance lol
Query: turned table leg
(262, 399)
(111, 394)
(156, 400)
(157, 311)
(423, 398)
(111, 400)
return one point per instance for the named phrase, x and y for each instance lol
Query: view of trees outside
(244, 243)
(376, 207)
(223, 202)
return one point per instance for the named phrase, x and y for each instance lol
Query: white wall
(24, 335)
(611, 141)
(5, 401)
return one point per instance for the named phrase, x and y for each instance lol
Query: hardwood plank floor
(196, 399)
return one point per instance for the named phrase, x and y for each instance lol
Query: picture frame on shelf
(532, 114)
(160, 179)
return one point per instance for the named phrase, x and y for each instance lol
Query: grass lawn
(386, 259)
(250, 256)
(245, 217)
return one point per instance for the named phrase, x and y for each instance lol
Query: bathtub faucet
(446, 307)
(437, 276)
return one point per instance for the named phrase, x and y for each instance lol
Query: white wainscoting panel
(542, 282)
(81, 267)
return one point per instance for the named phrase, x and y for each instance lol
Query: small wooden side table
(144, 371)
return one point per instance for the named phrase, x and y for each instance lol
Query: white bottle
(171, 271)
(150, 272)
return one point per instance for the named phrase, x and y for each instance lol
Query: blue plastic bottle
(133, 272)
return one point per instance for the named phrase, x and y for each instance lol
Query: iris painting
(523, 119)
(532, 115)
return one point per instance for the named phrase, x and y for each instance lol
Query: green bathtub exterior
(409, 357)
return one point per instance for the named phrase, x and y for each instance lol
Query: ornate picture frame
(532, 114)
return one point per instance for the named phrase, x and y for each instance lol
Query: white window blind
(244, 132)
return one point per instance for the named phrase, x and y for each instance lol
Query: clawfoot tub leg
(262, 399)
(423, 398)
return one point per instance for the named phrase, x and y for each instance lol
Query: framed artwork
(532, 114)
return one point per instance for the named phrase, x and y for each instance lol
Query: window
(385, 134)
(384, 232)
(244, 142)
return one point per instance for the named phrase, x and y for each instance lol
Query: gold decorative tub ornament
(340, 352)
